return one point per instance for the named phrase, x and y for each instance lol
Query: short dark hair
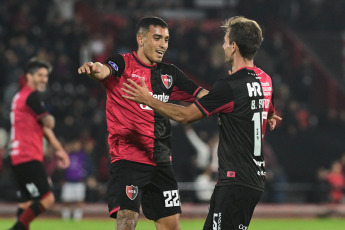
(246, 33)
(34, 64)
(145, 23)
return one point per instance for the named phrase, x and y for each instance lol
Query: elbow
(184, 120)
(185, 117)
(48, 122)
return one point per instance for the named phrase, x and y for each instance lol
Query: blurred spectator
(73, 190)
(336, 181)
(275, 177)
(3, 144)
(206, 161)
(203, 153)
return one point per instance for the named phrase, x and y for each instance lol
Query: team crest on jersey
(132, 191)
(167, 80)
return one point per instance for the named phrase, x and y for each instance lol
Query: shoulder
(27, 93)
(34, 97)
(116, 58)
(261, 74)
(168, 66)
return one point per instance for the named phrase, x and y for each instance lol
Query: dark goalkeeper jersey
(136, 132)
(243, 101)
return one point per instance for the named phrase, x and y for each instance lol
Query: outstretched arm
(63, 159)
(96, 71)
(140, 94)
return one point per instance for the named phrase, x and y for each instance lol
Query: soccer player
(139, 138)
(244, 103)
(30, 122)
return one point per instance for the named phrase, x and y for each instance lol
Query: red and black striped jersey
(136, 132)
(27, 132)
(243, 101)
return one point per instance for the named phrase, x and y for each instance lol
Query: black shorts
(154, 187)
(231, 207)
(32, 179)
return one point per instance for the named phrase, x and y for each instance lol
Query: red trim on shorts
(114, 210)
(45, 195)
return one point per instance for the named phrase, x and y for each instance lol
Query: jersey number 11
(257, 118)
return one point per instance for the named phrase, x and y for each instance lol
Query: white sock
(78, 214)
(66, 213)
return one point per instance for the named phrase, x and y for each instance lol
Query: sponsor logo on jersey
(167, 81)
(161, 97)
(132, 191)
(230, 174)
(254, 89)
(217, 221)
(261, 173)
(259, 163)
(242, 227)
(113, 65)
(137, 76)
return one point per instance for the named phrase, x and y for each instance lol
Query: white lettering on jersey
(242, 227)
(262, 104)
(259, 163)
(137, 76)
(217, 221)
(261, 173)
(254, 89)
(161, 97)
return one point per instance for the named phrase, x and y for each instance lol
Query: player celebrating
(139, 138)
(30, 121)
(244, 102)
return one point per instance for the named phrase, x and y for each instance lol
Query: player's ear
(233, 46)
(28, 77)
(140, 39)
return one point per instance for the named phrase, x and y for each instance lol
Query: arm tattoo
(126, 220)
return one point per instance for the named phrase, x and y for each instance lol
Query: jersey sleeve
(219, 100)
(35, 103)
(271, 109)
(184, 89)
(116, 65)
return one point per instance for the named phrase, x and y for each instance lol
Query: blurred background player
(141, 170)
(73, 190)
(30, 123)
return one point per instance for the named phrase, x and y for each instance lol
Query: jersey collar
(141, 62)
(246, 67)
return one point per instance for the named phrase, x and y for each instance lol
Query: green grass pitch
(186, 224)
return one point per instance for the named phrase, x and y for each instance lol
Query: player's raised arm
(94, 70)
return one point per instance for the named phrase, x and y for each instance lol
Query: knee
(127, 219)
(174, 226)
(25, 205)
(48, 200)
(168, 223)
